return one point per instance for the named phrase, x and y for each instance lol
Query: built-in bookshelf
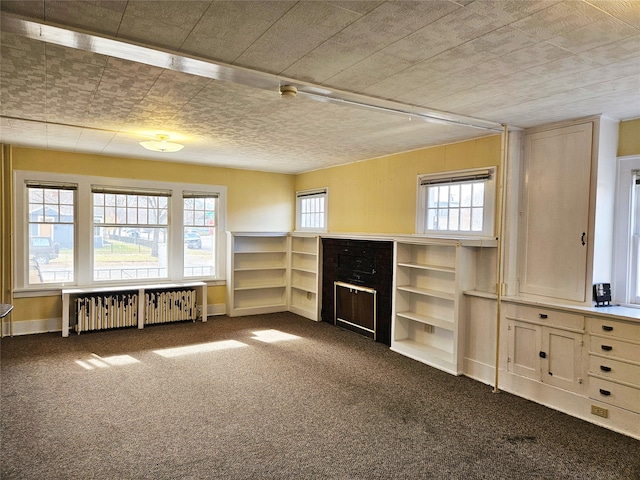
(304, 275)
(257, 273)
(429, 280)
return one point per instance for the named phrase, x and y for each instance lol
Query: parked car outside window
(192, 240)
(43, 249)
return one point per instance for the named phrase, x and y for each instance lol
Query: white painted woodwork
(304, 276)
(257, 273)
(429, 280)
(555, 206)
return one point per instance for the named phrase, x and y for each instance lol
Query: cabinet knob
(543, 315)
(584, 234)
(604, 368)
(607, 328)
(543, 354)
(606, 393)
(606, 348)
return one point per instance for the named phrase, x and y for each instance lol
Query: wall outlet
(599, 411)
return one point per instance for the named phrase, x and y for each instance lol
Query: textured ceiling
(368, 73)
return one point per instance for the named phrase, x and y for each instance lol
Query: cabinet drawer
(542, 316)
(614, 348)
(614, 370)
(614, 328)
(615, 394)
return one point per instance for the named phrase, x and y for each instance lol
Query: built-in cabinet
(566, 209)
(429, 280)
(546, 345)
(555, 201)
(584, 361)
(614, 363)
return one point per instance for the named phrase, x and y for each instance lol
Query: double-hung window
(311, 210)
(130, 233)
(51, 232)
(626, 260)
(200, 234)
(456, 203)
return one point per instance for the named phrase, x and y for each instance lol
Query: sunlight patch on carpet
(271, 336)
(104, 362)
(199, 348)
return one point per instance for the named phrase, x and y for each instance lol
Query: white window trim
(84, 227)
(622, 283)
(489, 209)
(314, 191)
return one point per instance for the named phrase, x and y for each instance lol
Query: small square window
(311, 210)
(457, 203)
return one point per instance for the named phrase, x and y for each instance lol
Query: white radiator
(115, 310)
(170, 306)
(98, 312)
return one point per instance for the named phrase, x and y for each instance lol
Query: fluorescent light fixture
(161, 145)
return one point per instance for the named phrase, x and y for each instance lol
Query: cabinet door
(524, 349)
(556, 212)
(561, 359)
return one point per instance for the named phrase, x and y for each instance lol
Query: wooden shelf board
(427, 292)
(259, 287)
(427, 320)
(424, 266)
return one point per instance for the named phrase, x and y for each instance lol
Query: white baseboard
(216, 309)
(479, 371)
(29, 327)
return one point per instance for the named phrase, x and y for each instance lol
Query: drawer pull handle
(606, 393)
(604, 368)
(607, 328)
(543, 315)
(606, 348)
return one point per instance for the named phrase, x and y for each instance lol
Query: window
(199, 233)
(457, 203)
(130, 234)
(311, 210)
(626, 261)
(51, 222)
(89, 231)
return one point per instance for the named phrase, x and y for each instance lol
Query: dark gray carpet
(329, 404)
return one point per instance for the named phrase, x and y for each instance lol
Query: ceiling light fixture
(288, 91)
(161, 145)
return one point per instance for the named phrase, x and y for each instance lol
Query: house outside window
(456, 203)
(51, 227)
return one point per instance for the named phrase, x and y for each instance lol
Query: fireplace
(356, 286)
(355, 307)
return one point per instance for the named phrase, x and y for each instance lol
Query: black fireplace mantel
(365, 263)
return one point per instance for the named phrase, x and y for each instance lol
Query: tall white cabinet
(429, 280)
(568, 183)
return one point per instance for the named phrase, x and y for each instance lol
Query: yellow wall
(629, 138)
(379, 195)
(256, 201)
